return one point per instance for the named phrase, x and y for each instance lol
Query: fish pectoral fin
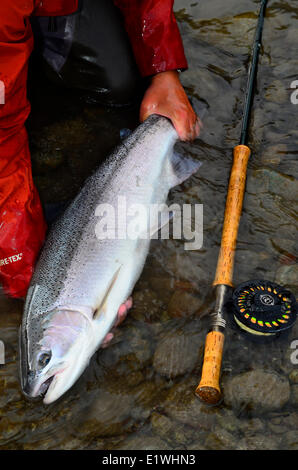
(102, 304)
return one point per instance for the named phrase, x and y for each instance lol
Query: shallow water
(139, 393)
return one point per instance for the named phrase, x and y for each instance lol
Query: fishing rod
(259, 307)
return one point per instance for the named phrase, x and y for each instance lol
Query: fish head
(51, 363)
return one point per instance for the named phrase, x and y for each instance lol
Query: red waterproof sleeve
(154, 35)
(55, 7)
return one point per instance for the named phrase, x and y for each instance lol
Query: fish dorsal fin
(101, 306)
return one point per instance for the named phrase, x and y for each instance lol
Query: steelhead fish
(81, 279)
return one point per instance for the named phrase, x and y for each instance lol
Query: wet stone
(290, 440)
(252, 426)
(294, 395)
(189, 267)
(256, 391)
(183, 406)
(285, 248)
(285, 68)
(169, 431)
(287, 276)
(177, 354)
(228, 421)
(266, 180)
(277, 92)
(273, 154)
(143, 443)
(282, 424)
(293, 376)
(147, 305)
(110, 414)
(163, 287)
(149, 396)
(184, 304)
(220, 439)
(196, 446)
(230, 33)
(260, 442)
(130, 352)
(8, 430)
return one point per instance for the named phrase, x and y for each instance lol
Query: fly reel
(263, 308)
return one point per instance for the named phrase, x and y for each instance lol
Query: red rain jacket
(157, 46)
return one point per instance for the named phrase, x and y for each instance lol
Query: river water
(139, 392)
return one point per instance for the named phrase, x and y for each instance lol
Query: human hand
(166, 96)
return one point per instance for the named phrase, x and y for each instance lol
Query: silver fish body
(80, 280)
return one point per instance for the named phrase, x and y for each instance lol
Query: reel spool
(263, 308)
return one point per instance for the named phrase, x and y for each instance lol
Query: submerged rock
(273, 154)
(183, 406)
(233, 34)
(293, 376)
(257, 391)
(143, 443)
(110, 414)
(267, 180)
(184, 304)
(163, 287)
(294, 395)
(221, 439)
(169, 431)
(287, 276)
(147, 305)
(290, 440)
(253, 426)
(282, 424)
(277, 92)
(260, 442)
(149, 396)
(228, 421)
(177, 354)
(285, 248)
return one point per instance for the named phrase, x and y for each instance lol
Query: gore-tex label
(11, 259)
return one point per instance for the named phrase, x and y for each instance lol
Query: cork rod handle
(208, 389)
(225, 264)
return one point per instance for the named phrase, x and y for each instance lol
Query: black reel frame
(263, 308)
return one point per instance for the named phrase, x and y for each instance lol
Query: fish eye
(44, 359)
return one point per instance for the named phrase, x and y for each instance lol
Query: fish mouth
(39, 391)
(45, 387)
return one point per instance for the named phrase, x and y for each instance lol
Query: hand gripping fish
(82, 278)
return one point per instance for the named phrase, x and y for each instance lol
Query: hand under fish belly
(81, 280)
